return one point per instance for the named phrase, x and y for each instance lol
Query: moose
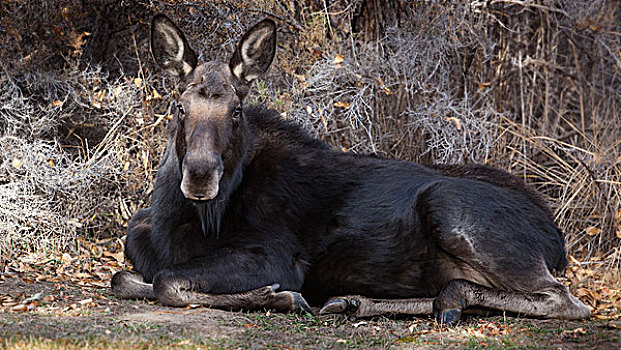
(250, 212)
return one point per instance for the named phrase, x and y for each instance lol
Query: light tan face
(210, 117)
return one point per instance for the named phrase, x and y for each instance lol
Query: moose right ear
(169, 47)
(255, 51)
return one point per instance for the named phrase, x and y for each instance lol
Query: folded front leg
(179, 292)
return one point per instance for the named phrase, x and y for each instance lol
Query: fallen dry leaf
(341, 104)
(575, 332)
(592, 231)
(100, 95)
(76, 40)
(118, 256)
(456, 122)
(156, 95)
(20, 308)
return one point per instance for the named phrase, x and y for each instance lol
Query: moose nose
(203, 164)
(201, 174)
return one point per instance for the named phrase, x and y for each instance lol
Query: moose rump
(250, 212)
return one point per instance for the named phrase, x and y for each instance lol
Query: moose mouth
(202, 199)
(203, 193)
(199, 202)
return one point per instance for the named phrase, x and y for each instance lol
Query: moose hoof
(289, 301)
(273, 288)
(448, 317)
(300, 306)
(342, 305)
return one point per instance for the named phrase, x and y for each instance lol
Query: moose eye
(237, 114)
(180, 108)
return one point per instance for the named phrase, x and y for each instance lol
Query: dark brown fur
(245, 200)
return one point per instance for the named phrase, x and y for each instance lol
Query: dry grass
(529, 86)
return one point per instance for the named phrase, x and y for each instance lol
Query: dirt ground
(52, 315)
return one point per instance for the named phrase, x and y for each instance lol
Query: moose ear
(255, 51)
(169, 47)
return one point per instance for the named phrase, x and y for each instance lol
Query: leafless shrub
(54, 183)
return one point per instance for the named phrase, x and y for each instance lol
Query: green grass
(31, 342)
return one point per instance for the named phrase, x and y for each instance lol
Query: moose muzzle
(202, 172)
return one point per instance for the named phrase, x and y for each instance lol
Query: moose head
(210, 131)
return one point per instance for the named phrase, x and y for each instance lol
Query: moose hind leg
(360, 306)
(178, 291)
(554, 301)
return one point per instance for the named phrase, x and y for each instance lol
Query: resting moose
(250, 212)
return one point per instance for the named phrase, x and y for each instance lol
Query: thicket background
(533, 87)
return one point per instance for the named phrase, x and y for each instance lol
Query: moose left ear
(255, 51)
(170, 48)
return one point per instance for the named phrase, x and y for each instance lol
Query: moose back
(250, 212)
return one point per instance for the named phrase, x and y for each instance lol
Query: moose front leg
(179, 292)
(172, 288)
